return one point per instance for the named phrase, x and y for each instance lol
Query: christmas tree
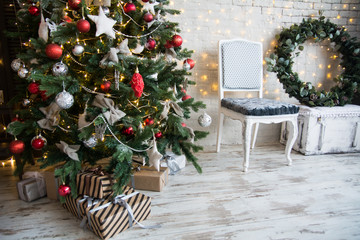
(101, 79)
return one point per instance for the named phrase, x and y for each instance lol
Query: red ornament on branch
(129, 7)
(186, 97)
(149, 121)
(83, 26)
(150, 44)
(17, 146)
(34, 88)
(128, 131)
(189, 64)
(168, 44)
(74, 4)
(137, 83)
(105, 86)
(148, 17)
(158, 134)
(53, 51)
(183, 124)
(176, 40)
(64, 190)
(38, 142)
(33, 10)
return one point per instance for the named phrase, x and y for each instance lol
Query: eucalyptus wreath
(289, 46)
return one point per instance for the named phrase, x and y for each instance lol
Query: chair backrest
(240, 66)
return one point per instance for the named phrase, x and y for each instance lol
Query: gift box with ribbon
(148, 178)
(112, 216)
(32, 186)
(174, 162)
(77, 206)
(94, 182)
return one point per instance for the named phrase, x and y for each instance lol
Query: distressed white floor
(316, 198)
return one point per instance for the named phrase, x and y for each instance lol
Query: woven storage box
(327, 130)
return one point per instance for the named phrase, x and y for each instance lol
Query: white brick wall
(205, 22)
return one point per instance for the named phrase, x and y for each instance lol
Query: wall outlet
(1, 97)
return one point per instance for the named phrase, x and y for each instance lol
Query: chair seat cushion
(258, 106)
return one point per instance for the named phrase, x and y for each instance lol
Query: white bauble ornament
(91, 142)
(78, 50)
(16, 64)
(60, 69)
(204, 120)
(64, 99)
(23, 72)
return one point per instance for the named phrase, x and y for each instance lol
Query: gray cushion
(258, 106)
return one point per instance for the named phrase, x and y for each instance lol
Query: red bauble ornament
(38, 142)
(17, 146)
(186, 97)
(183, 90)
(53, 51)
(67, 19)
(33, 10)
(129, 7)
(158, 135)
(148, 17)
(145, 0)
(150, 44)
(183, 124)
(149, 121)
(168, 44)
(34, 88)
(176, 40)
(83, 26)
(137, 84)
(105, 86)
(74, 4)
(64, 190)
(128, 131)
(189, 62)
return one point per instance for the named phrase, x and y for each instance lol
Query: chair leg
(255, 135)
(246, 132)
(293, 132)
(219, 133)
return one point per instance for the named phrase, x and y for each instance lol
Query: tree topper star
(103, 24)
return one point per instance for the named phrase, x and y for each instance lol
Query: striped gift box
(107, 218)
(71, 204)
(93, 185)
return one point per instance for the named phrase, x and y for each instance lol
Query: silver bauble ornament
(23, 72)
(204, 120)
(106, 10)
(64, 99)
(16, 64)
(25, 102)
(78, 50)
(60, 69)
(91, 142)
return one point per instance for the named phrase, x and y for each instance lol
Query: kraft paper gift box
(110, 217)
(32, 187)
(174, 162)
(94, 184)
(148, 178)
(52, 182)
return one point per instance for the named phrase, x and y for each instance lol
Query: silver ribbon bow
(69, 150)
(52, 116)
(114, 114)
(170, 104)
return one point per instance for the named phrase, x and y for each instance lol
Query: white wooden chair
(241, 69)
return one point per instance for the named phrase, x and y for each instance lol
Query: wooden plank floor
(316, 198)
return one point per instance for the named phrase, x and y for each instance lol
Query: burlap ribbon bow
(114, 114)
(170, 104)
(52, 116)
(69, 150)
